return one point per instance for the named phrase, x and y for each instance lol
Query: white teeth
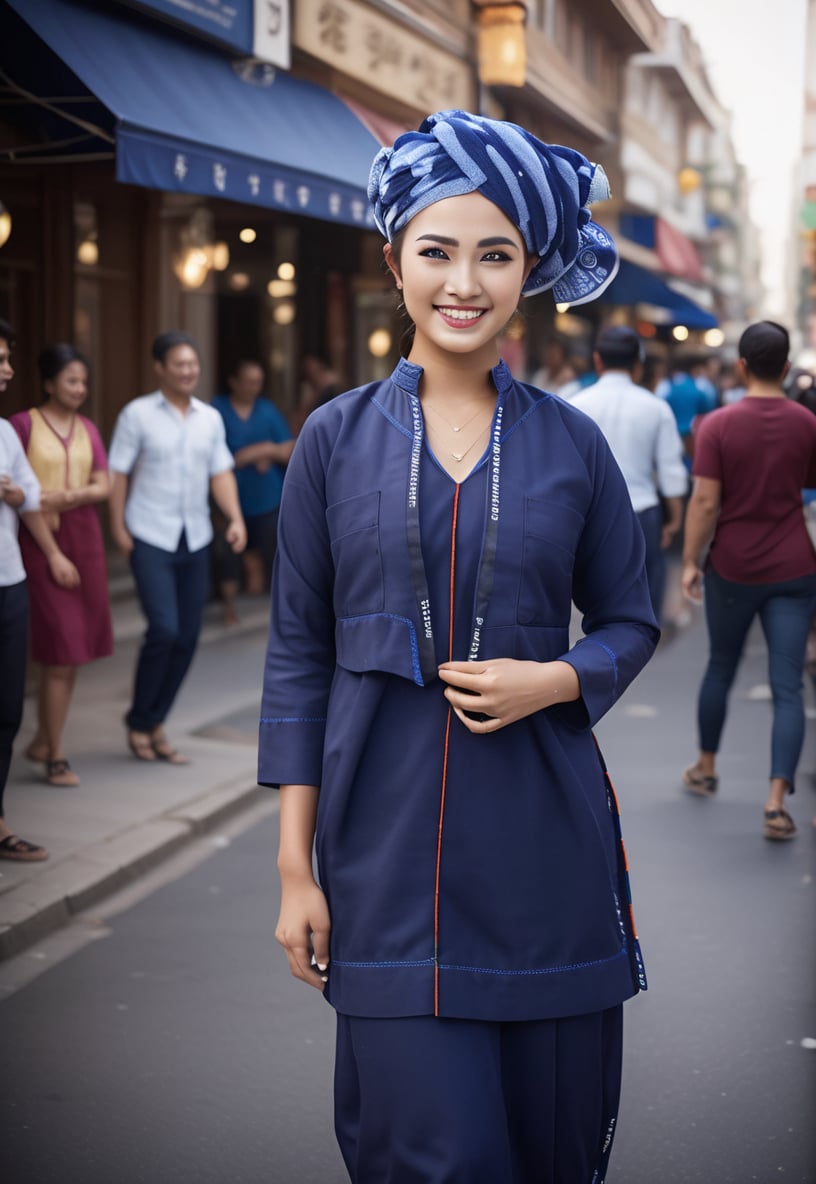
(461, 314)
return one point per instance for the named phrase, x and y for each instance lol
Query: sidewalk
(127, 815)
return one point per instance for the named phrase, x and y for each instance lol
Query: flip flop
(697, 782)
(13, 847)
(59, 772)
(779, 825)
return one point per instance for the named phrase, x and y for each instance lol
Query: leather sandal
(141, 746)
(59, 772)
(698, 783)
(778, 825)
(20, 850)
(164, 750)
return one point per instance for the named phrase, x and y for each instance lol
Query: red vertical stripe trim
(444, 756)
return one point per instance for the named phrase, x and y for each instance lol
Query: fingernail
(322, 966)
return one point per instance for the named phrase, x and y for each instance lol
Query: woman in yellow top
(69, 626)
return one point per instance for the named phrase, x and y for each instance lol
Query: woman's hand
(506, 690)
(52, 501)
(303, 929)
(63, 571)
(11, 493)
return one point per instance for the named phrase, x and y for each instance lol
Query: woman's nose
(462, 279)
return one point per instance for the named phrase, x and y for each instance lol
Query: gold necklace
(444, 418)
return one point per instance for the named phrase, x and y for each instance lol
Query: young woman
(69, 626)
(424, 714)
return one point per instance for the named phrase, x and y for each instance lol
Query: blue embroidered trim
(294, 719)
(375, 965)
(482, 969)
(611, 653)
(415, 666)
(546, 970)
(394, 422)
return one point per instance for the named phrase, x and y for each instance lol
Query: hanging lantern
(501, 43)
(5, 225)
(688, 180)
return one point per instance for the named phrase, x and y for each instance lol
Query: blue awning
(186, 120)
(635, 285)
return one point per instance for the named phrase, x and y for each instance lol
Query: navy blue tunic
(467, 876)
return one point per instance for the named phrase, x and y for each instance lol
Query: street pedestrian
(423, 713)
(752, 460)
(19, 498)
(688, 403)
(261, 443)
(642, 433)
(168, 454)
(69, 626)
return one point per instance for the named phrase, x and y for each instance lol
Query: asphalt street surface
(166, 1042)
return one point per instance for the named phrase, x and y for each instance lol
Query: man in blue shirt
(261, 442)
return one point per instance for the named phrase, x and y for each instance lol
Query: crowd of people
(427, 539)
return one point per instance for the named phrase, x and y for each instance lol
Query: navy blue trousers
(444, 1101)
(173, 587)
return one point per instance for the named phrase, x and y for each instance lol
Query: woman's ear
(391, 264)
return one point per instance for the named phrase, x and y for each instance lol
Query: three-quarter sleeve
(611, 590)
(300, 657)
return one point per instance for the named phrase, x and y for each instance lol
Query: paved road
(175, 1049)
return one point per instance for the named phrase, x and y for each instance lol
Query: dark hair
(7, 333)
(764, 347)
(237, 366)
(166, 341)
(619, 347)
(53, 360)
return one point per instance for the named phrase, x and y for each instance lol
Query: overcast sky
(754, 52)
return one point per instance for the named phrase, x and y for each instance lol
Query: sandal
(141, 747)
(697, 782)
(779, 825)
(164, 750)
(59, 772)
(12, 847)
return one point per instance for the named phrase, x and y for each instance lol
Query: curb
(51, 899)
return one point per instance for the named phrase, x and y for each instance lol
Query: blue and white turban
(543, 189)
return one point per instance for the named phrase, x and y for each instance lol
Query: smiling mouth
(463, 315)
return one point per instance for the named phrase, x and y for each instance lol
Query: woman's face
(70, 387)
(462, 266)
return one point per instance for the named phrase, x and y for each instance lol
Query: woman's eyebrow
(497, 241)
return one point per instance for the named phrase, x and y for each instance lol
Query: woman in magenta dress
(69, 626)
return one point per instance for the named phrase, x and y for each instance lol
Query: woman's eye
(495, 257)
(433, 253)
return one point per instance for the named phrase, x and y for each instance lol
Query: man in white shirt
(168, 454)
(19, 497)
(642, 433)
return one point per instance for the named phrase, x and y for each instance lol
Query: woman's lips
(458, 317)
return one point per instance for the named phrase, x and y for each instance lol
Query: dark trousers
(13, 653)
(173, 587)
(651, 522)
(784, 611)
(442, 1101)
(262, 535)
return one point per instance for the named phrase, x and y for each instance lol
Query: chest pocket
(551, 534)
(354, 530)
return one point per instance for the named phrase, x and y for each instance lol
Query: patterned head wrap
(543, 189)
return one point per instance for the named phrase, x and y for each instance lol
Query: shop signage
(370, 47)
(255, 28)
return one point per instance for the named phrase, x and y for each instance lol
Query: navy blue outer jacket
(505, 899)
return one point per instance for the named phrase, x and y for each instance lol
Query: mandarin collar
(407, 374)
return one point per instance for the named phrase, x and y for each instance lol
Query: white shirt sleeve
(220, 456)
(672, 477)
(126, 442)
(22, 474)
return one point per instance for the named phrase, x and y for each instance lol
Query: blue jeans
(173, 587)
(651, 523)
(784, 610)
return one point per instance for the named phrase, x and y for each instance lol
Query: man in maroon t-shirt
(752, 460)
